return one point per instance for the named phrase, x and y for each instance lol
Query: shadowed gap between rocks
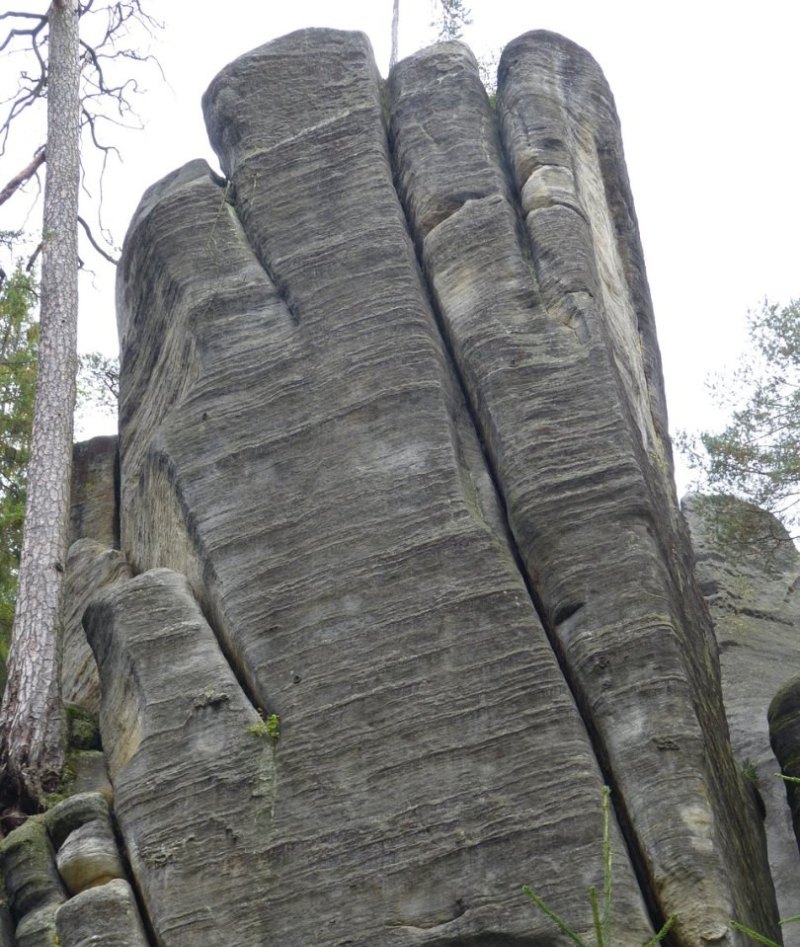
(141, 903)
(201, 565)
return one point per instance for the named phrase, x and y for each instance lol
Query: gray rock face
(70, 850)
(752, 595)
(90, 567)
(339, 438)
(94, 507)
(552, 332)
(108, 912)
(193, 775)
(391, 403)
(89, 857)
(32, 883)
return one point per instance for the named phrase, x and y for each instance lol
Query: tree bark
(395, 26)
(31, 719)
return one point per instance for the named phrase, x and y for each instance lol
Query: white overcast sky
(707, 93)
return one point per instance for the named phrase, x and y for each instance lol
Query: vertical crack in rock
(571, 411)
(429, 203)
(138, 896)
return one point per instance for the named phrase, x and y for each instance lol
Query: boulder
(106, 915)
(193, 773)
(32, 884)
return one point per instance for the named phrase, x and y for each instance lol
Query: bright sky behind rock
(707, 95)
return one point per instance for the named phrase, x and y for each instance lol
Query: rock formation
(402, 579)
(752, 593)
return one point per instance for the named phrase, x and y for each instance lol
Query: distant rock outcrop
(402, 578)
(752, 593)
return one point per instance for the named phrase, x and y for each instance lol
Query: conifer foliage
(756, 456)
(19, 337)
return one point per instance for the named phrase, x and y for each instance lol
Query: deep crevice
(141, 906)
(281, 288)
(202, 579)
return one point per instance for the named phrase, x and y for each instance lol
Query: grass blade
(662, 933)
(555, 918)
(598, 926)
(753, 935)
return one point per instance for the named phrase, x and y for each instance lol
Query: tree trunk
(31, 719)
(395, 26)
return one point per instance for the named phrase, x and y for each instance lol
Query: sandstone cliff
(402, 579)
(752, 593)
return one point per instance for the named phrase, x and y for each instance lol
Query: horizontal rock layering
(391, 402)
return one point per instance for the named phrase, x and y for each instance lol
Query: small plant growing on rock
(270, 727)
(750, 771)
(601, 918)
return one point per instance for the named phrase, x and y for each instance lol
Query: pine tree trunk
(31, 719)
(395, 26)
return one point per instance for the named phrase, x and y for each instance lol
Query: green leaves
(18, 353)
(455, 15)
(757, 455)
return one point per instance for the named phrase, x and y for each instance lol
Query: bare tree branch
(22, 15)
(107, 85)
(88, 231)
(23, 176)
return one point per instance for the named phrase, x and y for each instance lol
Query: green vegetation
(454, 15)
(270, 727)
(98, 382)
(98, 386)
(757, 455)
(759, 938)
(601, 916)
(19, 337)
(750, 771)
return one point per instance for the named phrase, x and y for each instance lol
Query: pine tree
(18, 356)
(31, 719)
(756, 456)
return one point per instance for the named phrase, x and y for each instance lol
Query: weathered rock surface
(392, 417)
(88, 772)
(93, 502)
(91, 565)
(88, 856)
(289, 395)
(194, 781)
(107, 915)
(70, 850)
(752, 594)
(552, 331)
(329, 430)
(32, 883)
